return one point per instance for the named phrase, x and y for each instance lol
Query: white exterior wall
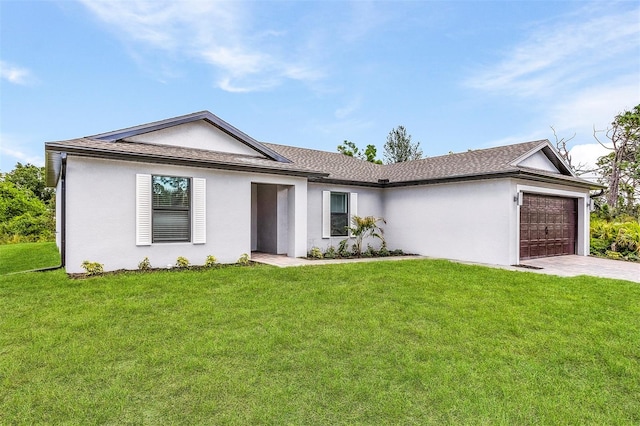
(476, 221)
(369, 204)
(470, 221)
(101, 226)
(197, 134)
(539, 161)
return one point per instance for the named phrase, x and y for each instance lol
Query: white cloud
(557, 56)
(13, 151)
(218, 33)
(348, 109)
(595, 106)
(587, 154)
(15, 74)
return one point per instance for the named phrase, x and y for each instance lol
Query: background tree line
(27, 206)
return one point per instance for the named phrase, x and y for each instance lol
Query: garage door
(547, 226)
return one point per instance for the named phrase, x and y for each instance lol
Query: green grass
(405, 342)
(27, 256)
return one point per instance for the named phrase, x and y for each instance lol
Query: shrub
(244, 259)
(330, 253)
(396, 252)
(621, 236)
(93, 268)
(384, 251)
(315, 253)
(370, 252)
(210, 261)
(343, 251)
(363, 227)
(144, 264)
(182, 262)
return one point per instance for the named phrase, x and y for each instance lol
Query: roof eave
(53, 161)
(461, 178)
(160, 159)
(349, 182)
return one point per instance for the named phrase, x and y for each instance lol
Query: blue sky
(458, 75)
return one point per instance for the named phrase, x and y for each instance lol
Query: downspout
(63, 210)
(62, 199)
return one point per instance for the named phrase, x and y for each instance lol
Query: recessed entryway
(270, 223)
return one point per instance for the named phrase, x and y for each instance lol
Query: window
(337, 210)
(170, 209)
(339, 214)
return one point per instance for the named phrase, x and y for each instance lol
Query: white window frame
(144, 211)
(352, 210)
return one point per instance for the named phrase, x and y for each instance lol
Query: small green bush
(370, 252)
(243, 260)
(211, 261)
(144, 264)
(93, 268)
(384, 251)
(330, 253)
(396, 252)
(182, 262)
(315, 253)
(343, 250)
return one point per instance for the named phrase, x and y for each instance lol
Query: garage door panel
(547, 226)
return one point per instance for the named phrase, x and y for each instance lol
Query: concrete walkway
(565, 266)
(283, 261)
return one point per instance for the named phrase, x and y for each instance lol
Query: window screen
(171, 209)
(339, 214)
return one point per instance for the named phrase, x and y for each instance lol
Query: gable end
(123, 134)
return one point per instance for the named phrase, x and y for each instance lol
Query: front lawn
(27, 256)
(405, 342)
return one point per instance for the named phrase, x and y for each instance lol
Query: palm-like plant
(364, 227)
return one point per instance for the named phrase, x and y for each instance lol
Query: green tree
(350, 149)
(27, 206)
(23, 216)
(620, 169)
(30, 178)
(399, 147)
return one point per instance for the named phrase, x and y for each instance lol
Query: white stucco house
(194, 186)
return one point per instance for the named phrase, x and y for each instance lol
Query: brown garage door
(547, 226)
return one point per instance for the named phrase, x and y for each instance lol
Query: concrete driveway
(565, 266)
(571, 266)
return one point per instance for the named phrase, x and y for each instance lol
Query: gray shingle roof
(470, 163)
(314, 164)
(465, 165)
(338, 166)
(137, 151)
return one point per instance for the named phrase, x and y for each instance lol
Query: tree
(30, 178)
(23, 216)
(350, 149)
(399, 148)
(27, 206)
(620, 169)
(561, 147)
